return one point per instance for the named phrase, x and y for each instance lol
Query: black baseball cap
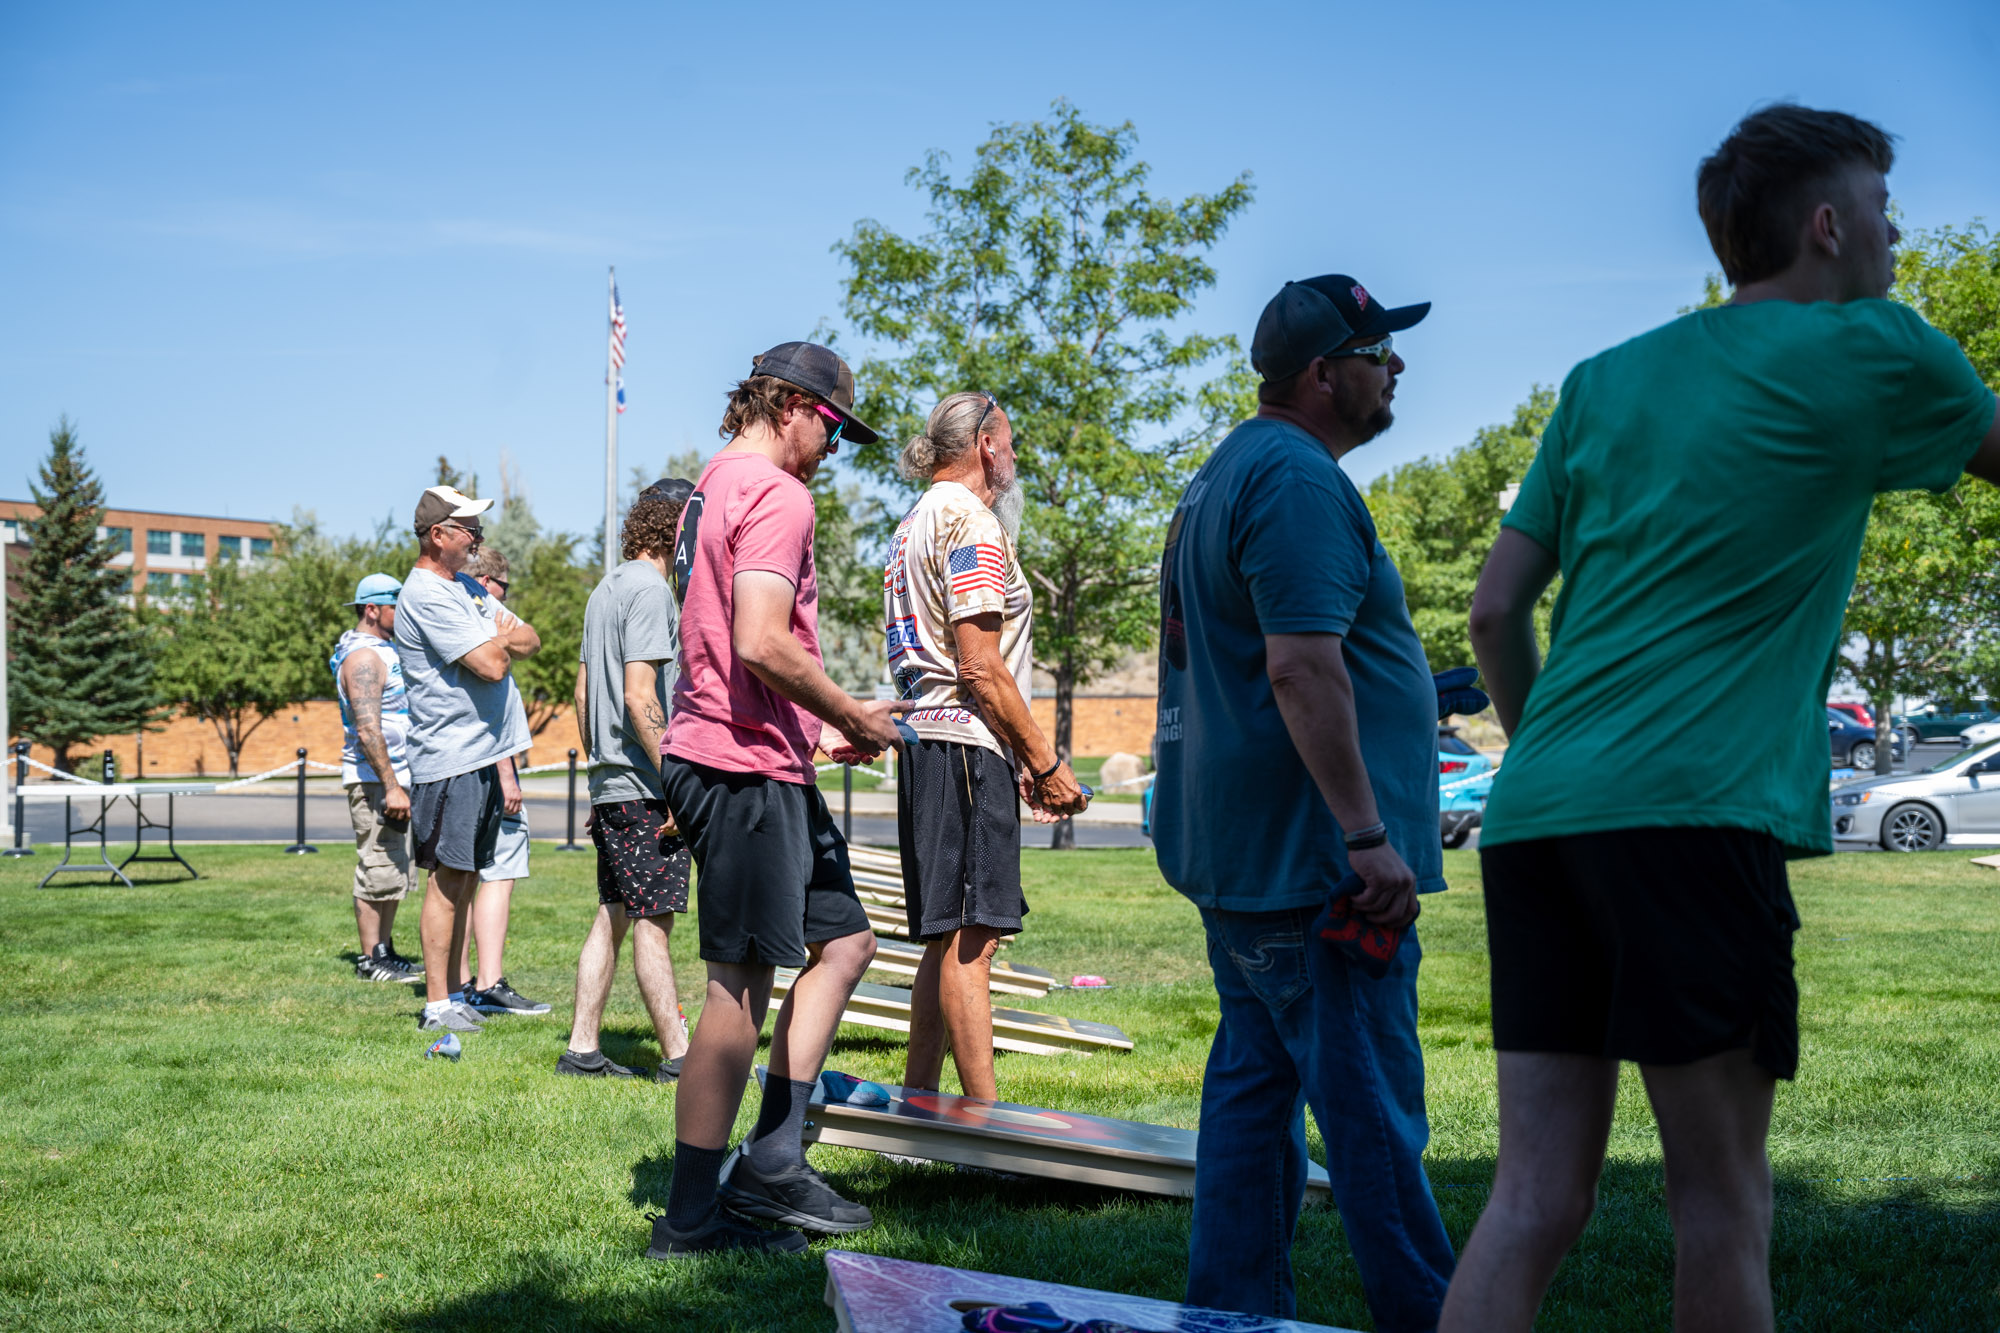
(1312, 317)
(674, 490)
(818, 371)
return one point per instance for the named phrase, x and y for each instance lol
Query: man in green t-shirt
(1703, 490)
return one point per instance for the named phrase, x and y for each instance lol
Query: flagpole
(610, 430)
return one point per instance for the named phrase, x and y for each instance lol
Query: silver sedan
(1955, 799)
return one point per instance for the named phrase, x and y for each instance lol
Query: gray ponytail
(948, 433)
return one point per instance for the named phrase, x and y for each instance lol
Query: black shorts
(958, 823)
(773, 868)
(456, 820)
(640, 866)
(1658, 945)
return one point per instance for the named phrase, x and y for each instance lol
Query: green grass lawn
(206, 1123)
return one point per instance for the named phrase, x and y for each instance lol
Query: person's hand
(396, 805)
(590, 820)
(1458, 692)
(1391, 896)
(841, 750)
(510, 789)
(876, 726)
(1059, 793)
(1025, 782)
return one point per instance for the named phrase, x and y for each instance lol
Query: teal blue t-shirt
(1705, 488)
(1272, 538)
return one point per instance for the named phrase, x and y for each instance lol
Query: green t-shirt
(1705, 488)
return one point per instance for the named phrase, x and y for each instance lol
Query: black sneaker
(500, 998)
(797, 1196)
(719, 1234)
(407, 969)
(367, 968)
(594, 1065)
(669, 1070)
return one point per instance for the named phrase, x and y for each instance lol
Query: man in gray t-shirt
(631, 651)
(465, 717)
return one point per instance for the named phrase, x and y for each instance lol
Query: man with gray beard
(960, 640)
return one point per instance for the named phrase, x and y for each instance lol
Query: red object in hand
(1369, 946)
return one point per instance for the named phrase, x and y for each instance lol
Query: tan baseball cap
(443, 503)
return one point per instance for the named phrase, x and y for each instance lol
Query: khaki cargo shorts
(381, 849)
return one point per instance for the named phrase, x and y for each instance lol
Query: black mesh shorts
(958, 822)
(773, 868)
(1657, 945)
(640, 865)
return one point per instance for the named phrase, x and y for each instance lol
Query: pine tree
(82, 665)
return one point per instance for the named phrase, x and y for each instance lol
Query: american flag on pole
(976, 569)
(617, 331)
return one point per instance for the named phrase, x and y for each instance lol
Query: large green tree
(82, 667)
(1053, 278)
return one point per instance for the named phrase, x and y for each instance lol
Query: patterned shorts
(639, 864)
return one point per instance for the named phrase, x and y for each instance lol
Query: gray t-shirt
(631, 617)
(458, 722)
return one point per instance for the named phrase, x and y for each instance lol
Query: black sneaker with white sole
(594, 1065)
(412, 969)
(720, 1234)
(367, 968)
(796, 1196)
(500, 998)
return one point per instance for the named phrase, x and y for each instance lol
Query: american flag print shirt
(951, 560)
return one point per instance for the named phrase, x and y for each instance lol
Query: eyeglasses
(839, 425)
(502, 585)
(1379, 352)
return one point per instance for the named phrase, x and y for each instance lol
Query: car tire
(1912, 827)
(1912, 738)
(1457, 836)
(1861, 755)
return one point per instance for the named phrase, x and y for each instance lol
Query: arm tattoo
(364, 698)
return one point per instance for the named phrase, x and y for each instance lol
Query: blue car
(1853, 745)
(1465, 778)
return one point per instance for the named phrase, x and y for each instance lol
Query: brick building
(159, 552)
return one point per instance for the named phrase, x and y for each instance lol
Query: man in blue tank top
(375, 772)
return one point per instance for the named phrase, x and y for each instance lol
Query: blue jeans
(1299, 1026)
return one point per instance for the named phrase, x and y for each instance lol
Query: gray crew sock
(781, 1123)
(691, 1192)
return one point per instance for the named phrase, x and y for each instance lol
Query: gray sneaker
(456, 1018)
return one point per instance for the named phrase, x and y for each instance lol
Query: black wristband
(1037, 777)
(1362, 839)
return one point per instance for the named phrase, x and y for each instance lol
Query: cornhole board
(871, 1293)
(880, 897)
(878, 881)
(1013, 1029)
(894, 922)
(900, 959)
(873, 858)
(1024, 1140)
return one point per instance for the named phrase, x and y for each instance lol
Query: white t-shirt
(951, 560)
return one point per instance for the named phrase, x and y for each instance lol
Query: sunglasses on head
(839, 425)
(1379, 352)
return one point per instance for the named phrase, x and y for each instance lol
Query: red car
(1859, 712)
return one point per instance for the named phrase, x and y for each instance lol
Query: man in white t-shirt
(375, 774)
(961, 630)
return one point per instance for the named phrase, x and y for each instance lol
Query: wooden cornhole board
(900, 959)
(1013, 1029)
(894, 922)
(1025, 1140)
(871, 1293)
(872, 858)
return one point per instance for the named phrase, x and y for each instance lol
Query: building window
(120, 538)
(260, 547)
(159, 543)
(229, 548)
(195, 544)
(188, 585)
(11, 532)
(125, 586)
(159, 585)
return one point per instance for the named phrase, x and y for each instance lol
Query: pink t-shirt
(745, 513)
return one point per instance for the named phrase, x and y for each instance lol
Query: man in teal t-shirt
(1703, 490)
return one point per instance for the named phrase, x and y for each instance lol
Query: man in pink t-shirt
(752, 704)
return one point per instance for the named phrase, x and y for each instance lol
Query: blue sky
(276, 256)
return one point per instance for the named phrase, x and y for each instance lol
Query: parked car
(1916, 812)
(1853, 745)
(1931, 723)
(1859, 712)
(1979, 733)
(1465, 779)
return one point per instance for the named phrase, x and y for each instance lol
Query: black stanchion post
(110, 768)
(20, 803)
(301, 847)
(847, 801)
(571, 846)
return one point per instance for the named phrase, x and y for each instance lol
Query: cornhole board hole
(871, 1293)
(900, 959)
(1024, 1140)
(1013, 1029)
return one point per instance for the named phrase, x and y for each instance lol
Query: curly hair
(649, 526)
(760, 398)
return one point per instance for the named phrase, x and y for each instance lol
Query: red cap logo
(1360, 296)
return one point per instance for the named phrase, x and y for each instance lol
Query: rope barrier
(66, 777)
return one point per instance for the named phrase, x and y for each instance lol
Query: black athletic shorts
(456, 820)
(958, 822)
(772, 868)
(640, 866)
(1657, 945)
